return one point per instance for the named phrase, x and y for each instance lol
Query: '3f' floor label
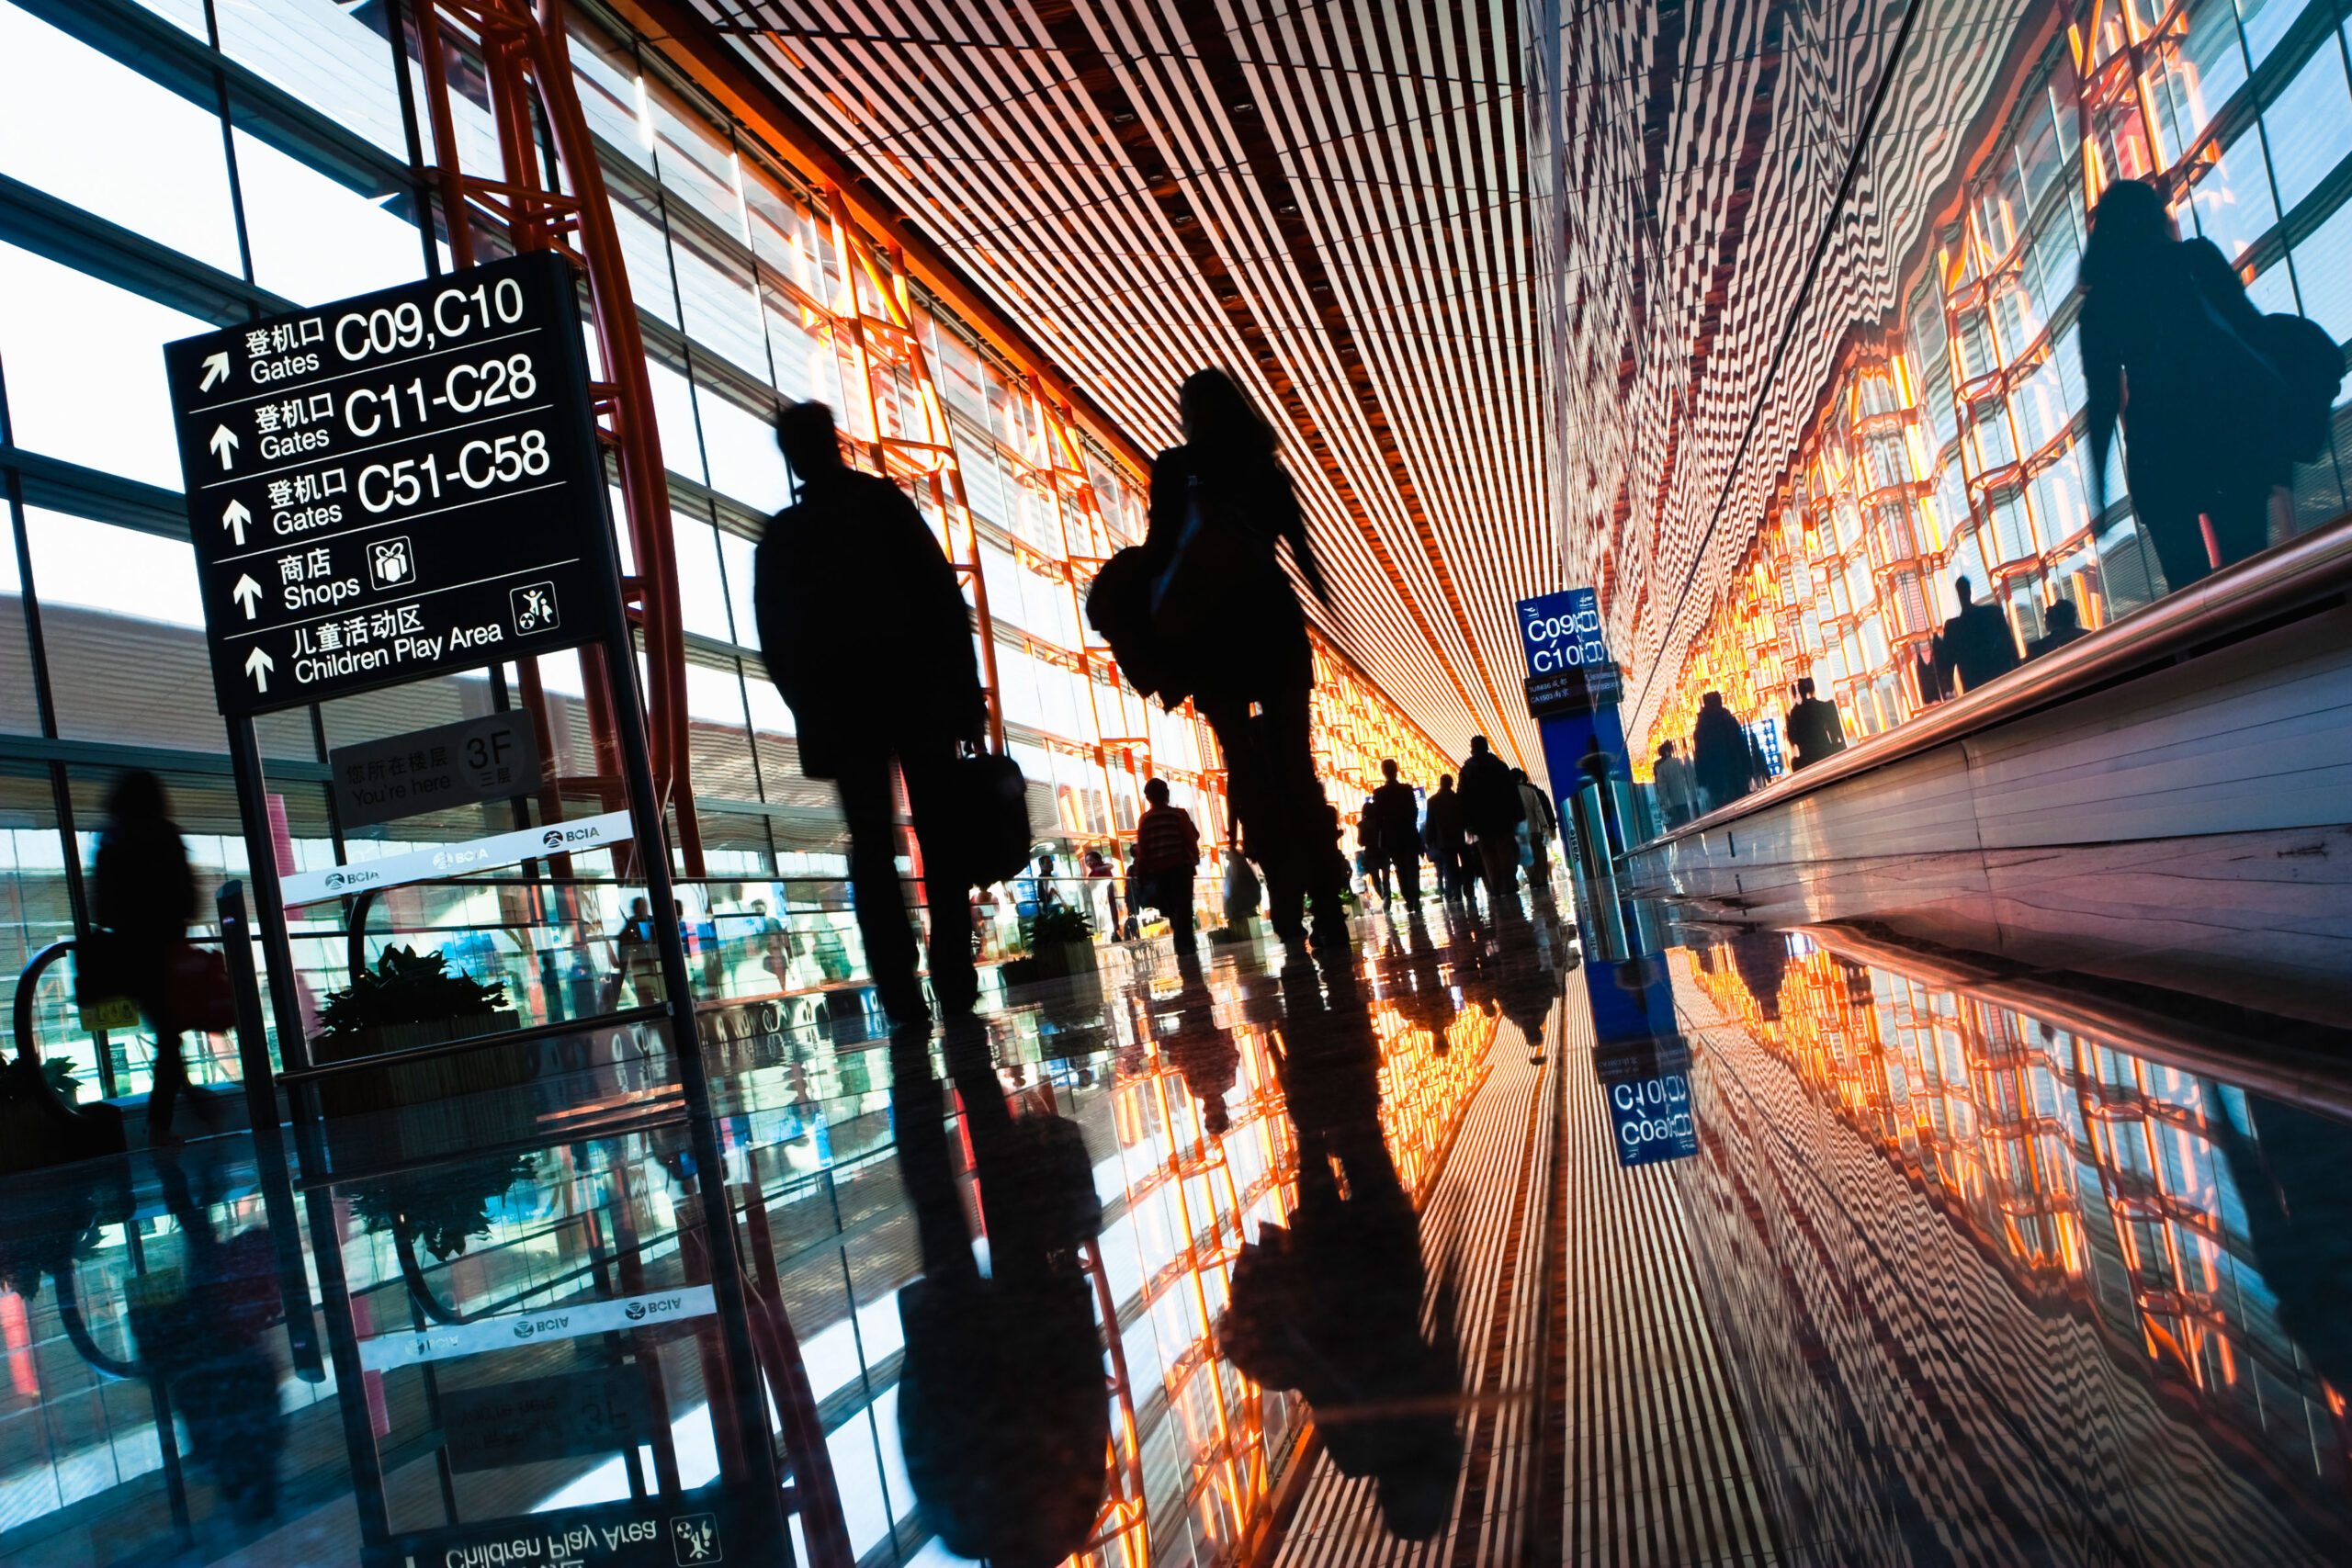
(395, 485)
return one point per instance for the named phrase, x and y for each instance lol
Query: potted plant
(410, 1000)
(1062, 942)
(442, 1208)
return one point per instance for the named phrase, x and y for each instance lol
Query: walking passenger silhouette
(863, 630)
(2217, 401)
(1228, 627)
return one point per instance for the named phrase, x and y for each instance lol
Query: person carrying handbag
(1224, 624)
(142, 895)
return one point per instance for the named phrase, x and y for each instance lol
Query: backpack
(2311, 364)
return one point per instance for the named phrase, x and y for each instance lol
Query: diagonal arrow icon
(246, 592)
(234, 517)
(224, 441)
(258, 665)
(216, 370)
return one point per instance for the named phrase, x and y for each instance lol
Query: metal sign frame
(739, 1410)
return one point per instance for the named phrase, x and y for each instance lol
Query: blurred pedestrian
(2066, 626)
(1977, 645)
(1442, 836)
(142, 896)
(1672, 776)
(1540, 825)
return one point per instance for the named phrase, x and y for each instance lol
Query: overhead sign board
(394, 486)
(1562, 631)
(494, 757)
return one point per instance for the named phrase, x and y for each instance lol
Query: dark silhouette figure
(2066, 626)
(2291, 1174)
(1221, 501)
(864, 631)
(1370, 864)
(1492, 810)
(1542, 826)
(1167, 849)
(637, 956)
(1441, 833)
(1001, 1414)
(1099, 869)
(1397, 814)
(208, 1343)
(1204, 1052)
(142, 895)
(1719, 747)
(1677, 799)
(1331, 1301)
(1977, 645)
(2170, 347)
(1814, 729)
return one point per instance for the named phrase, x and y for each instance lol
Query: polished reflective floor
(1576, 1230)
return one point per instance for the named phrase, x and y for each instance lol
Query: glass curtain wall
(1951, 445)
(170, 166)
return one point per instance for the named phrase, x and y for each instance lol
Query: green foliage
(60, 1074)
(445, 1208)
(1061, 922)
(407, 987)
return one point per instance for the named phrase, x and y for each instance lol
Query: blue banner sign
(1562, 631)
(1648, 1086)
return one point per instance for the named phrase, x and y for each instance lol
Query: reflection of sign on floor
(593, 1411)
(652, 1533)
(1648, 1086)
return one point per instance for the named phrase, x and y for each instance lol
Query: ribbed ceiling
(1516, 351)
(1326, 198)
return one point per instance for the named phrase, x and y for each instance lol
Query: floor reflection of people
(208, 1343)
(1002, 1419)
(1329, 1304)
(1204, 1053)
(2292, 1169)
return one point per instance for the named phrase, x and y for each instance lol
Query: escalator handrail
(28, 981)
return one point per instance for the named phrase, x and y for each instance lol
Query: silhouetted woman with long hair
(1223, 499)
(2166, 333)
(142, 895)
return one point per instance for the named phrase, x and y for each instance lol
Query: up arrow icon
(224, 441)
(258, 665)
(234, 517)
(216, 370)
(246, 592)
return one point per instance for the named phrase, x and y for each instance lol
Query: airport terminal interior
(1175, 783)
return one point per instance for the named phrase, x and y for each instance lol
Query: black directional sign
(395, 485)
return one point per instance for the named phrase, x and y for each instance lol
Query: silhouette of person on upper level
(1001, 1415)
(863, 629)
(142, 894)
(2217, 401)
(2066, 626)
(1227, 627)
(1329, 1303)
(1815, 731)
(1677, 803)
(1719, 747)
(1976, 644)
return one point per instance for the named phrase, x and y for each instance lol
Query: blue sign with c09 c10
(1562, 631)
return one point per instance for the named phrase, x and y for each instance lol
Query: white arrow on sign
(245, 593)
(258, 665)
(216, 370)
(224, 441)
(234, 517)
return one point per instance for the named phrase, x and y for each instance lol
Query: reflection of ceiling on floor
(1338, 200)
(1326, 200)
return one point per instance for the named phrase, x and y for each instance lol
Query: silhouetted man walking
(1977, 644)
(1816, 730)
(865, 632)
(1492, 810)
(1399, 814)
